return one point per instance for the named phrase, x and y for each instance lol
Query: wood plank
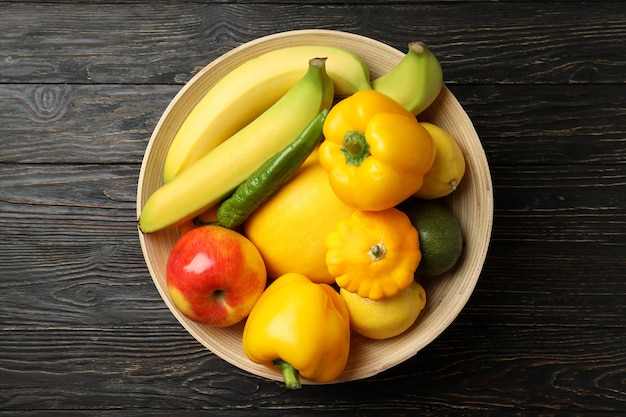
(90, 43)
(59, 123)
(71, 204)
(84, 286)
(110, 124)
(532, 203)
(500, 369)
(538, 125)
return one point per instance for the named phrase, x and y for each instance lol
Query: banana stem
(417, 46)
(355, 148)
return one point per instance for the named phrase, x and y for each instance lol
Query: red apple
(215, 275)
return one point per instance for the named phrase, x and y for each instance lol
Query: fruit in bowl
(215, 275)
(471, 202)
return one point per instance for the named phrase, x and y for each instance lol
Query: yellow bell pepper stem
(355, 148)
(290, 374)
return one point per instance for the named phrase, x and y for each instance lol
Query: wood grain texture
(83, 331)
(530, 125)
(52, 123)
(163, 43)
(496, 371)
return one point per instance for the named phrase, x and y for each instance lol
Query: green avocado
(441, 239)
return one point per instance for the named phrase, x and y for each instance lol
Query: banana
(244, 93)
(415, 82)
(216, 174)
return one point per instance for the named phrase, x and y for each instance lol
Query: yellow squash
(290, 228)
(374, 253)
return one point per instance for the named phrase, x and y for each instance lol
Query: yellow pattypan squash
(373, 253)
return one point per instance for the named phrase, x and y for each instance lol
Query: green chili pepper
(270, 176)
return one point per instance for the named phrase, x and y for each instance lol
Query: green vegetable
(270, 176)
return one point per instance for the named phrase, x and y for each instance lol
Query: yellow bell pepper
(375, 151)
(374, 253)
(301, 327)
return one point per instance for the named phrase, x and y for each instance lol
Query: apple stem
(290, 374)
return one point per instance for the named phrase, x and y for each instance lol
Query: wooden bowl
(472, 203)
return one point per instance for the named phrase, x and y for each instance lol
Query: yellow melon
(290, 228)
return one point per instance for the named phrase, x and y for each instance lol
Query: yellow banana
(215, 175)
(415, 82)
(244, 93)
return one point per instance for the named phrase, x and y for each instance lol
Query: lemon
(388, 317)
(449, 166)
(440, 235)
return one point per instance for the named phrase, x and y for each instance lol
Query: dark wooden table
(83, 331)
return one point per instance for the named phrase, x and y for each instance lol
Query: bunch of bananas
(259, 108)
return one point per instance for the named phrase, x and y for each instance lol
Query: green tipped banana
(218, 173)
(415, 82)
